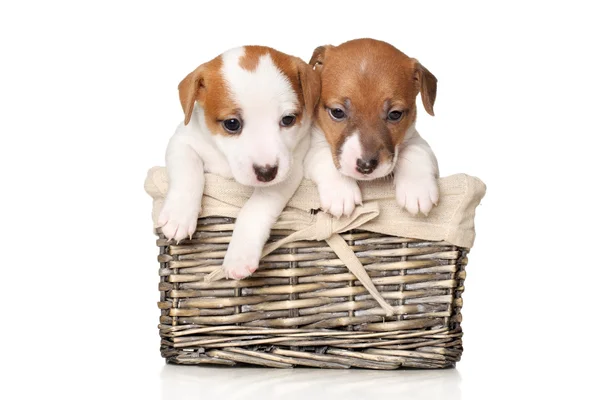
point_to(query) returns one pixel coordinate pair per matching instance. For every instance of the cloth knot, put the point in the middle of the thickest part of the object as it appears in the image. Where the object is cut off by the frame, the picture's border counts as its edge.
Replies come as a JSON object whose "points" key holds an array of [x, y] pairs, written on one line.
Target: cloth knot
{"points": [[323, 226]]}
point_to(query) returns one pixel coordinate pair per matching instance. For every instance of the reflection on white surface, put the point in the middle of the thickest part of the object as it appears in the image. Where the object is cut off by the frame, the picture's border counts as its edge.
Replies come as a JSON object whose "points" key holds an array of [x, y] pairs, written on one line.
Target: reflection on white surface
{"points": [[199, 382]]}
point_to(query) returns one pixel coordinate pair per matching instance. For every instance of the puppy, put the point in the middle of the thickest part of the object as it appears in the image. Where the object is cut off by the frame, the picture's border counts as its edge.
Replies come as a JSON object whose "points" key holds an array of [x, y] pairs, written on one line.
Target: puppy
{"points": [[248, 114], [365, 126]]}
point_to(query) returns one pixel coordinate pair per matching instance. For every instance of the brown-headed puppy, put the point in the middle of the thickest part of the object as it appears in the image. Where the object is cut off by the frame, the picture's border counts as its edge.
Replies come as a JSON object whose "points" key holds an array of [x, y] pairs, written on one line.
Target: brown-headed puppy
{"points": [[365, 126]]}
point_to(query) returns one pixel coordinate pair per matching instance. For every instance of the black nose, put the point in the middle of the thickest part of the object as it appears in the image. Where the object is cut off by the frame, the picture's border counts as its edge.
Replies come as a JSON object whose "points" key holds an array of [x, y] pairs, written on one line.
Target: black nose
{"points": [[366, 166], [265, 173]]}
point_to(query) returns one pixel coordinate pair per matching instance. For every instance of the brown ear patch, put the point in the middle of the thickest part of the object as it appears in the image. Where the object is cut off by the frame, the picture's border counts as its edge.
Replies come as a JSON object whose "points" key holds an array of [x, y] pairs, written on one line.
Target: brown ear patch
{"points": [[427, 86], [310, 86], [195, 86], [318, 56], [206, 86], [189, 90]]}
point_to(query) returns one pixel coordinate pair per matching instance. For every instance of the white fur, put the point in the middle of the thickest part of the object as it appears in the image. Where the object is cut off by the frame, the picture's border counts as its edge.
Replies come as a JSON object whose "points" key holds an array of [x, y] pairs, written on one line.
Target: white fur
{"points": [[415, 174], [264, 96], [350, 151]]}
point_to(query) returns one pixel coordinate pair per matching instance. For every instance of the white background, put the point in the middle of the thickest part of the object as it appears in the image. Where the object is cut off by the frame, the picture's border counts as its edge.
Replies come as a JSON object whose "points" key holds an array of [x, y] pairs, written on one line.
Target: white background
{"points": [[88, 101]]}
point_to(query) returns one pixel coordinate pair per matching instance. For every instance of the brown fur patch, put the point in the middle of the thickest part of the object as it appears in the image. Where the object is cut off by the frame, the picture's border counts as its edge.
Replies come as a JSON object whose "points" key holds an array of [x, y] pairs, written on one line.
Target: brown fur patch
{"points": [[207, 86], [252, 54], [372, 78]]}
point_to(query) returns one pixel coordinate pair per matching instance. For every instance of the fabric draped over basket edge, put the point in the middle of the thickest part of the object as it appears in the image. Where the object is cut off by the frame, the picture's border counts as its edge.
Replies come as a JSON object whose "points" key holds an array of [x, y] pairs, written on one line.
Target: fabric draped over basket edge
{"points": [[451, 221]]}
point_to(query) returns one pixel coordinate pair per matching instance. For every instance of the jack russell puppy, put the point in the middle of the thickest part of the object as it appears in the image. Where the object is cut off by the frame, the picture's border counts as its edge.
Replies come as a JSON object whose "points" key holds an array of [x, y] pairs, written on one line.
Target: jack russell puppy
{"points": [[248, 115], [365, 126]]}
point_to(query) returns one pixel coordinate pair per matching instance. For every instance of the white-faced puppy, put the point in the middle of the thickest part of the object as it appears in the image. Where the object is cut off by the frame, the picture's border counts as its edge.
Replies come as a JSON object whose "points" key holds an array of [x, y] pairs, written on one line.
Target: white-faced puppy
{"points": [[365, 126], [248, 114]]}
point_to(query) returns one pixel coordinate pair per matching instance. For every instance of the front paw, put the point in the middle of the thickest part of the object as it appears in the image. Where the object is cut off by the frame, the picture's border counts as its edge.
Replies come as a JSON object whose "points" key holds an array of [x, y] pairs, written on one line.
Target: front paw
{"points": [[340, 196], [240, 261], [178, 217], [417, 193]]}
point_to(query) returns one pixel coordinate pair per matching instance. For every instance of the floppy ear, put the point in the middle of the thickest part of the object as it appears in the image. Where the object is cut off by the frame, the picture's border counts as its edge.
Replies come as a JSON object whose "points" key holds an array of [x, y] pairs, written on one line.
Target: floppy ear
{"points": [[427, 86], [318, 57], [310, 83], [191, 88]]}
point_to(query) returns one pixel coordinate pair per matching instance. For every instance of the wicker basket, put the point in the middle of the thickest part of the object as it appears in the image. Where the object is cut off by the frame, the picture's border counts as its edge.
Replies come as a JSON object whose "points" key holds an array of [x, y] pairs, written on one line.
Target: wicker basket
{"points": [[303, 306]]}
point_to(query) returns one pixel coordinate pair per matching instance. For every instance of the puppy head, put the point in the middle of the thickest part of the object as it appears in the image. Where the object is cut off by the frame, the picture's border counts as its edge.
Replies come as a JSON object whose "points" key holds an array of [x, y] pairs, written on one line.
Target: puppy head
{"points": [[257, 103], [367, 104]]}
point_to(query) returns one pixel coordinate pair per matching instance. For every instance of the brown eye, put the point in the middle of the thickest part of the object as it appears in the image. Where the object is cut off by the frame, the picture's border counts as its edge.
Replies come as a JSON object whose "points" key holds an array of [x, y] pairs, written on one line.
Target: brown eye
{"points": [[337, 114], [288, 121], [395, 115], [232, 125]]}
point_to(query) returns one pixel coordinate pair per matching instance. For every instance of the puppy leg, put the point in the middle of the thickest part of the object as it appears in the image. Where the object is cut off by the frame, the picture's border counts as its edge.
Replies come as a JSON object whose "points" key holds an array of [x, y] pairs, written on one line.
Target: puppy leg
{"points": [[415, 176], [338, 194], [257, 216], [180, 211], [252, 229]]}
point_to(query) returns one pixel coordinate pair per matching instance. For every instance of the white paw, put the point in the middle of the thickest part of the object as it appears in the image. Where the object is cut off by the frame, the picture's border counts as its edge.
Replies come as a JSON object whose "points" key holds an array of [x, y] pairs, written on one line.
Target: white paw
{"points": [[240, 261], [340, 196], [417, 193], [178, 217]]}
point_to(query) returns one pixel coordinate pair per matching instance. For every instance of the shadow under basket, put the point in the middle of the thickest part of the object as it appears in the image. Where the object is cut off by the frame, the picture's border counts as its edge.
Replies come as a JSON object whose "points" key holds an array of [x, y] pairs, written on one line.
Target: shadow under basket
{"points": [[302, 307]]}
